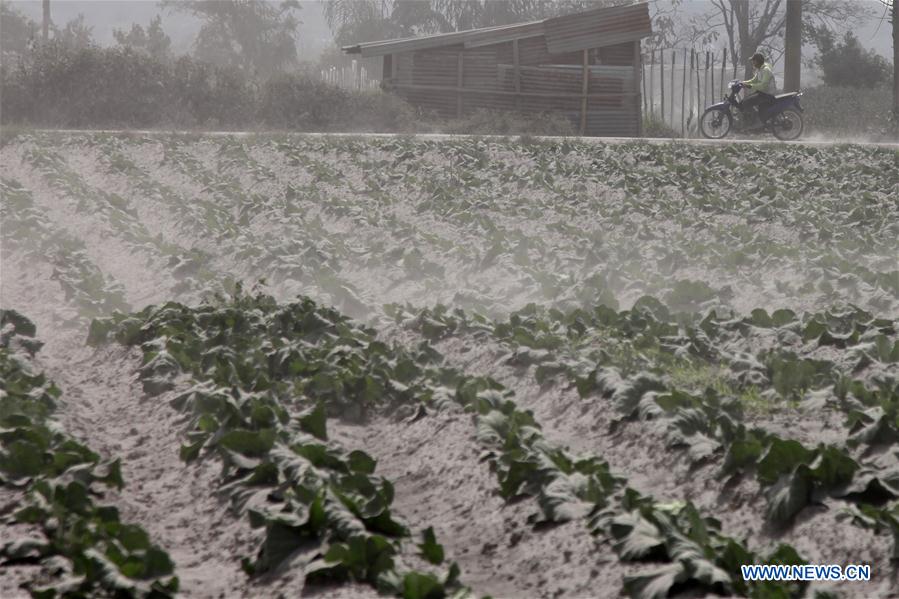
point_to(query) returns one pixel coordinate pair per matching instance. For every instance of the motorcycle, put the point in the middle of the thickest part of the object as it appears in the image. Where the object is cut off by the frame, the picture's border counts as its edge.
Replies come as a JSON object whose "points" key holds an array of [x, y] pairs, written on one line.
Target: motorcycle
{"points": [[782, 116]]}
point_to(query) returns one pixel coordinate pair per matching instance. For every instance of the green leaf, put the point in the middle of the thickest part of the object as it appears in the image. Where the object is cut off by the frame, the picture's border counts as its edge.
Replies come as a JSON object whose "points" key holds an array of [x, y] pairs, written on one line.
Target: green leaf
{"points": [[21, 325], [314, 422], [636, 536], [280, 541], [656, 583], [21, 459], [250, 443], [188, 453], [430, 549], [782, 457], [25, 549], [361, 462], [789, 494], [833, 468], [418, 585]]}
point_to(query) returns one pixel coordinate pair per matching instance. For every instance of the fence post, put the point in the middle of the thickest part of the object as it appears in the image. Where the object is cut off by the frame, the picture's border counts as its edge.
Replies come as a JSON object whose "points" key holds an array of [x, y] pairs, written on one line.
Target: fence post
{"points": [[459, 86], [643, 86], [705, 79], [723, 67], [683, 98], [662, 84], [638, 105], [652, 84], [585, 75], [699, 105], [690, 84], [516, 62], [673, 56]]}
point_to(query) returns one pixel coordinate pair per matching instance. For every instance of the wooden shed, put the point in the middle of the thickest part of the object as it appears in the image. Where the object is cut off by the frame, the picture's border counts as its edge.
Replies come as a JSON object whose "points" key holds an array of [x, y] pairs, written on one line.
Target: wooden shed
{"points": [[585, 66]]}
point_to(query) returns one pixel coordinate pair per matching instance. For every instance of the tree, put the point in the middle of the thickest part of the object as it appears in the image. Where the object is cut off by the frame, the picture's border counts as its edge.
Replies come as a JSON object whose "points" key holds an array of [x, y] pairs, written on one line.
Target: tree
{"points": [[45, 22], [255, 36], [892, 7], [753, 25], [153, 41], [17, 32], [75, 35], [847, 63], [793, 46]]}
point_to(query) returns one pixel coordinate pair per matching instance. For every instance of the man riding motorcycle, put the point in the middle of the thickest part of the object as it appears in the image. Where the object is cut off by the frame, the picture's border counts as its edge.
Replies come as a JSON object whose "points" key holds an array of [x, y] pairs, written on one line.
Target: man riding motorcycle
{"points": [[762, 86]]}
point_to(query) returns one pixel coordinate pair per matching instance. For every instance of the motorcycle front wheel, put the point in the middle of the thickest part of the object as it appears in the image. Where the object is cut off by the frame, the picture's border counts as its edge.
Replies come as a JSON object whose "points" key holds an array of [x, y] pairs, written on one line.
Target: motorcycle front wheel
{"points": [[788, 125], [715, 123]]}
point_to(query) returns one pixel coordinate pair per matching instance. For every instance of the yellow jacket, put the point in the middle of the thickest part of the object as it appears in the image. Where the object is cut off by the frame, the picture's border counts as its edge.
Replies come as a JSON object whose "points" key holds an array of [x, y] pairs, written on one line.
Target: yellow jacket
{"points": [[763, 80]]}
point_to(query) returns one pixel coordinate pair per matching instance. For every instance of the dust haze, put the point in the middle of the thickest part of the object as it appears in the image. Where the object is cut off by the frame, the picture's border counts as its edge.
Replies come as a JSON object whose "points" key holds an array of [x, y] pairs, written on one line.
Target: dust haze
{"points": [[262, 335]]}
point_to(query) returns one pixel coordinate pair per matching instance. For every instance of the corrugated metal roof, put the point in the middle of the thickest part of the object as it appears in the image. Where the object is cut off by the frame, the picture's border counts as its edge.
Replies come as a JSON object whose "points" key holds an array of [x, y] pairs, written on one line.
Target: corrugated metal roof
{"points": [[589, 29], [597, 28], [509, 32]]}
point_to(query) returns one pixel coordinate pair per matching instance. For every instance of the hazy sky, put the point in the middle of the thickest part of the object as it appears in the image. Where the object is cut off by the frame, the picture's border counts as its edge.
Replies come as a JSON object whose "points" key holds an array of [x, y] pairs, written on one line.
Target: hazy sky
{"points": [[106, 15]]}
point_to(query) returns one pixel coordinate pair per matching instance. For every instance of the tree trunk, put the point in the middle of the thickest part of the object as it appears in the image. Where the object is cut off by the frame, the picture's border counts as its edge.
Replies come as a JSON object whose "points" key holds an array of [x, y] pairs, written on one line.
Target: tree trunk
{"points": [[793, 47], [895, 19], [45, 26], [747, 48]]}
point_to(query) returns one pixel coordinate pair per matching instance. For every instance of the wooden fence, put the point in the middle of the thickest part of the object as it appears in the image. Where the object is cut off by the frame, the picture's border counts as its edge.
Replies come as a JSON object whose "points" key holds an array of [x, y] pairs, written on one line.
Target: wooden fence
{"points": [[353, 77], [679, 83]]}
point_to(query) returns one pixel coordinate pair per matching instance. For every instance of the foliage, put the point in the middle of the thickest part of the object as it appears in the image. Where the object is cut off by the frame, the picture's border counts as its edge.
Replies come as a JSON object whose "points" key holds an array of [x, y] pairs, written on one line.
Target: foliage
{"points": [[17, 32], [255, 360], [132, 86], [496, 122], [264, 380], [27, 229], [291, 101], [61, 479], [120, 87], [152, 40], [575, 227], [849, 113], [75, 35], [845, 63], [656, 127], [751, 27], [256, 37], [644, 347]]}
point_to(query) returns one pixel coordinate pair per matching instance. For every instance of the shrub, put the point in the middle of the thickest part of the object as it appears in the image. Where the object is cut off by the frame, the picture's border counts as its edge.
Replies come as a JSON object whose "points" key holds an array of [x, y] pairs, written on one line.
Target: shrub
{"points": [[299, 102], [653, 126], [203, 95], [379, 112], [494, 122], [846, 112], [118, 87], [55, 85], [847, 63]]}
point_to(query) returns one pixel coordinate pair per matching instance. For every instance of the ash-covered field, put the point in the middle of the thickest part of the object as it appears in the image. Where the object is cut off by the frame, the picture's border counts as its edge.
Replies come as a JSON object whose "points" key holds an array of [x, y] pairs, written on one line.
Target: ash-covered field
{"points": [[341, 366]]}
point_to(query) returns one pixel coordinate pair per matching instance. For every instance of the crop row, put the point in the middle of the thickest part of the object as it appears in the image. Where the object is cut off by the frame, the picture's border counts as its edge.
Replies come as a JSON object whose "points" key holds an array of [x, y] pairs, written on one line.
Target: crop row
{"points": [[263, 379], [61, 480], [698, 377], [25, 228], [267, 374], [488, 224], [122, 220]]}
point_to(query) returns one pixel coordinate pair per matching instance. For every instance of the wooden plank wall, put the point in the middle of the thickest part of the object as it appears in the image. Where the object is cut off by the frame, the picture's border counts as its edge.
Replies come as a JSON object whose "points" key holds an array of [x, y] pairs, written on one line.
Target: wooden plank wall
{"points": [[454, 81]]}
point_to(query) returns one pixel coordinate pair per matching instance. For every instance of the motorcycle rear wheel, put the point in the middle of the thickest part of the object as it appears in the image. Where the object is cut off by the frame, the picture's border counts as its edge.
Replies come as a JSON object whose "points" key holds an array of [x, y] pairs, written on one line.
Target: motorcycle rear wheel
{"points": [[715, 123], [788, 125]]}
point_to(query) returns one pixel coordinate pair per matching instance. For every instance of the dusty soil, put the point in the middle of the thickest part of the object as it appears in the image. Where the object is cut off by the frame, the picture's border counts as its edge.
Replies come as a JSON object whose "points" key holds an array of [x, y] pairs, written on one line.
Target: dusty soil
{"points": [[354, 228]]}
